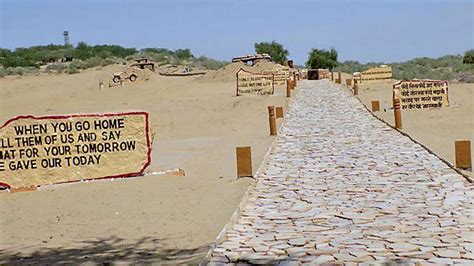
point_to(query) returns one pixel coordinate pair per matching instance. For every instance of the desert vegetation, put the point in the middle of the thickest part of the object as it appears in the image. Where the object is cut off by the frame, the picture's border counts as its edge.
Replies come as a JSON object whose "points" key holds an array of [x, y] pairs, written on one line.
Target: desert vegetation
{"points": [[320, 58], [276, 50], [448, 67], [68, 59]]}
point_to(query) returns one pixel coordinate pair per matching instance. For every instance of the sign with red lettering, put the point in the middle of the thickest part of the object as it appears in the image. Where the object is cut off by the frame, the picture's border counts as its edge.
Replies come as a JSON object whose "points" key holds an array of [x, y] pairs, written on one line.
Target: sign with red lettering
{"points": [[58, 149]]}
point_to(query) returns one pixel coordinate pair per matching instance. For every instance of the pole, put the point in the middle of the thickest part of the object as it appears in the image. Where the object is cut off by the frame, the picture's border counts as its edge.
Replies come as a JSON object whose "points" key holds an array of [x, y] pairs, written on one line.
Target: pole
{"points": [[272, 120], [398, 113]]}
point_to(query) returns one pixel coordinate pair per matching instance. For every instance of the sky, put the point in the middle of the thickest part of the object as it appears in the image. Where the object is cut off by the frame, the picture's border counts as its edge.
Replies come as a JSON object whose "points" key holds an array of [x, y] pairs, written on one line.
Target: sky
{"points": [[366, 31]]}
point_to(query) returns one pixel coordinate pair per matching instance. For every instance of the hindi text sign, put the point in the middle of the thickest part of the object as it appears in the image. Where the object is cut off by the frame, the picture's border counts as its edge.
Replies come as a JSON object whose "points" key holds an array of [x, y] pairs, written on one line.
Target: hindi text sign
{"points": [[420, 94], [57, 149], [254, 83]]}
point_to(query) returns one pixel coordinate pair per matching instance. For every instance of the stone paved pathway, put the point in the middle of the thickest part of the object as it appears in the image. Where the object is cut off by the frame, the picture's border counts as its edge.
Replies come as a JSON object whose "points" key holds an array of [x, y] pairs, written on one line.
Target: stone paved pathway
{"points": [[341, 186]]}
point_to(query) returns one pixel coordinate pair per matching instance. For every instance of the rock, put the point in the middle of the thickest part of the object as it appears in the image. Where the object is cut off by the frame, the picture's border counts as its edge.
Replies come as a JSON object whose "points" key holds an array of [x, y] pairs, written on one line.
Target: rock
{"points": [[297, 242], [448, 253]]}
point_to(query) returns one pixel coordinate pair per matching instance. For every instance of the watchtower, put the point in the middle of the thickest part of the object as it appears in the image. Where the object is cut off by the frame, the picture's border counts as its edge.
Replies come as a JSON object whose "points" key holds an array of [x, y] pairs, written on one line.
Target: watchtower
{"points": [[66, 37]]}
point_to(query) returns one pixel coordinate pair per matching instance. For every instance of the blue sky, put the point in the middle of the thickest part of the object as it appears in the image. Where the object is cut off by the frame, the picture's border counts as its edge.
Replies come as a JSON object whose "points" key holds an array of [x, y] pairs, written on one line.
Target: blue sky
{"points": [[388, 31]]}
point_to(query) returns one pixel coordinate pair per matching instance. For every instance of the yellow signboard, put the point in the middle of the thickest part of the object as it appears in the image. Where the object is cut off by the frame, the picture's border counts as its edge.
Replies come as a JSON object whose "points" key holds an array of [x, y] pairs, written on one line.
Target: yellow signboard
{"points": [[57, 149], [254, 83], [377, 74], [420, 94], [324, 74], [280, 75]]}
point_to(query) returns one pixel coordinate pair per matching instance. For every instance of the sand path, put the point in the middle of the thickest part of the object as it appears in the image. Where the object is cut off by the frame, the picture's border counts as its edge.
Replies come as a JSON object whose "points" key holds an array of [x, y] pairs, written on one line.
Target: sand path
{"points": [[341, 186]]}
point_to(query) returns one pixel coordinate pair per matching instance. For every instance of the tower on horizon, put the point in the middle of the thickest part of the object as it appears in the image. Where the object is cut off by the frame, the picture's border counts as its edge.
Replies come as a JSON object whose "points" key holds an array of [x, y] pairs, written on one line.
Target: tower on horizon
{"points": [[66, 37]]}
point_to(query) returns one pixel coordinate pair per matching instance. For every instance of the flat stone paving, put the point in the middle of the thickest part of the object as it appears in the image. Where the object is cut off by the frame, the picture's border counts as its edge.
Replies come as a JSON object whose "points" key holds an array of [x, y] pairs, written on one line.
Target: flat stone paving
{"points": [[339, 186]]}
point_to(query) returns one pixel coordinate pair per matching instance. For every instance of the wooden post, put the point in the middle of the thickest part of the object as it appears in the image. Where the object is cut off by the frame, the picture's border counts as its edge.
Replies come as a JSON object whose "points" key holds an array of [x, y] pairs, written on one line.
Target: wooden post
{"points": [[356, 88], [339, 77], [463, 154], [375, 106], [244, 161], [279, 112], [398, 113], [288, 88], [332, 75], [272, 120]]}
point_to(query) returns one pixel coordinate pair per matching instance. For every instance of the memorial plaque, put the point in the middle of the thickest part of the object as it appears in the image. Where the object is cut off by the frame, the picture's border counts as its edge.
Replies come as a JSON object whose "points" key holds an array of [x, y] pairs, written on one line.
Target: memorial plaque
{"points": [[254, 83], [377, 74], [420, 94], [280, 75], [57, 149]]}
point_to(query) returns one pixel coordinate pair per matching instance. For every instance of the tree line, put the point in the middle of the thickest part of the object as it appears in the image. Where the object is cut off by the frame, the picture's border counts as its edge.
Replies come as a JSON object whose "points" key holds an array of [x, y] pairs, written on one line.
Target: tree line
{"points": [[445, 67], [84, 56]]}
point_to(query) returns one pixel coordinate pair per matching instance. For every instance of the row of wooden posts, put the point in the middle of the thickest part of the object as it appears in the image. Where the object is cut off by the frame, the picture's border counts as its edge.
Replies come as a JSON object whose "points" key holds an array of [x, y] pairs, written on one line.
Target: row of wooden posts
{"points": [[462, 148], [244, 154]]}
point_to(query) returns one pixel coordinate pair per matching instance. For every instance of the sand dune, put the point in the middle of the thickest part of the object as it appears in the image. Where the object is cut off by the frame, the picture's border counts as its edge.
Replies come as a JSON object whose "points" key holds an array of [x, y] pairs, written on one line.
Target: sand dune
{"points": [[198, 124]]}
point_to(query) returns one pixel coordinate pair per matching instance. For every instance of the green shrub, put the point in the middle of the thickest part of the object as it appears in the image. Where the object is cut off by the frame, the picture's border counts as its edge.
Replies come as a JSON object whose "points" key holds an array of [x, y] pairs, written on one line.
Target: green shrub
{"points": [[320, 58], [276, 50], [93, 62], [108, 61], [3, 72], [207, 63], [468, 57], [58, 68], [73, 69]]}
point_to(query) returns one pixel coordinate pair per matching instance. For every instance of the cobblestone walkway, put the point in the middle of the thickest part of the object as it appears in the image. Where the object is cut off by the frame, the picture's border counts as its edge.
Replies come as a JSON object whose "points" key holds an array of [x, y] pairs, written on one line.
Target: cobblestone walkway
{"points": [[341, 186]]}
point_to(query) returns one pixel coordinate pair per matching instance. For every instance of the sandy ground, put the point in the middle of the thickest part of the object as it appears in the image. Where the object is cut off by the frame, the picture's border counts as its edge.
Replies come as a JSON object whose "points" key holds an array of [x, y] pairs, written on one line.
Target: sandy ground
{"points": [[438, 129], [198, 123]]}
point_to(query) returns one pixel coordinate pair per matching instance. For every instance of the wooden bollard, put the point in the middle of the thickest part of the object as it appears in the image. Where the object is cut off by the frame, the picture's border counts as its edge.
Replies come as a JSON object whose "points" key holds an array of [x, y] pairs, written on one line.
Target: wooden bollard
{"points": [[244, 161], [339, 77], [356, 87], [272, 120], [463, 154], [332, 75], [279, 112], [397, 113], [375, 106], [288, 88]]}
